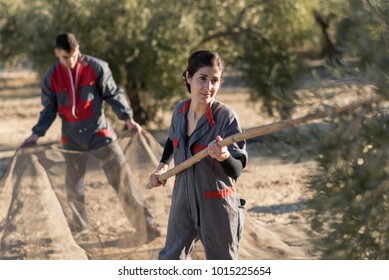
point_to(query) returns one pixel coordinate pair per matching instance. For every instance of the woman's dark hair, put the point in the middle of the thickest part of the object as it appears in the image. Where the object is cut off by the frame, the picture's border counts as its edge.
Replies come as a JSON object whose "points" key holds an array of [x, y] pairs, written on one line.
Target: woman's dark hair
{"points": [[200, 59]]}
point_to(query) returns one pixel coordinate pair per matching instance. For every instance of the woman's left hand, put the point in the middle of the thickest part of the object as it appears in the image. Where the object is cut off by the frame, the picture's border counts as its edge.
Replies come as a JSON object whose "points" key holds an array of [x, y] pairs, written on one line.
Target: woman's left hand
{"points": [[216, 151]]}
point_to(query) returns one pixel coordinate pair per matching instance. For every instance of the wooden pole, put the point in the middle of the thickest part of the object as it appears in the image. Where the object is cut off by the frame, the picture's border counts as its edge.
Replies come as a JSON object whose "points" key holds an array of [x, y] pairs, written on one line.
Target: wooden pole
{"points": [[266, 129]]}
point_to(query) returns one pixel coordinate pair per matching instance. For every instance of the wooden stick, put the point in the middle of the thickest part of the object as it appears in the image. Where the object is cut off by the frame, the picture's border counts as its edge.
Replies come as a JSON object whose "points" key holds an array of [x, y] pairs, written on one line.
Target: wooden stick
{"points": [[263, 130]]}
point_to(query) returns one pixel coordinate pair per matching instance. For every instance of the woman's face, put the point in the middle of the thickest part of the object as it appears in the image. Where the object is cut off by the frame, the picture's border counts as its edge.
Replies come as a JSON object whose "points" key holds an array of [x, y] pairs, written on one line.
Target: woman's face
{"points": [[204, 84]]}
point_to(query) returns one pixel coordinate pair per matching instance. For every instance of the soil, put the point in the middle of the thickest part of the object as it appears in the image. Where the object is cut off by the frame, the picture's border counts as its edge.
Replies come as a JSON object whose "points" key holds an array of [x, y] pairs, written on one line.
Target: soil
{"points": [[273, 183]]}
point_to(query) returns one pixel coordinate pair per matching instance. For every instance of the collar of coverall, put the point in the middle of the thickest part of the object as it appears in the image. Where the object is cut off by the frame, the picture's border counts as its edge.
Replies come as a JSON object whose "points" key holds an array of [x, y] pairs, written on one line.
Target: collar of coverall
{"points": [[208, 113]]}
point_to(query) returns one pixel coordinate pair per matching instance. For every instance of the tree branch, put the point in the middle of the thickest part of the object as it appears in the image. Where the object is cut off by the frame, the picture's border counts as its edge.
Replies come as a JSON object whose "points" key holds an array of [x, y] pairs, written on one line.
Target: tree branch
{"points": [[235, 27]]}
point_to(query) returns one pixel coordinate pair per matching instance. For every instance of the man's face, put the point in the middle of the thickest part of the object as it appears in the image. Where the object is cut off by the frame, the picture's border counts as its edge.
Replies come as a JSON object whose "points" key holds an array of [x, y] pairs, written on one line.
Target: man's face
{"points": [[68, 59]]}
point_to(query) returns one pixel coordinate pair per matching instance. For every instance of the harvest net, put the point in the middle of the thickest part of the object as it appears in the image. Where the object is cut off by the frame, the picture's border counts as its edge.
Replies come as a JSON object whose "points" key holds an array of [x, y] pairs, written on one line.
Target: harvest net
{"points": [[38, 222]]}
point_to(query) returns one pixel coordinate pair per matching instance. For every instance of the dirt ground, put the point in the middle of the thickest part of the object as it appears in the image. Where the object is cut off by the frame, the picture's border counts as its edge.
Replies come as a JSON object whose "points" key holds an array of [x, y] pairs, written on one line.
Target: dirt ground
{"points": [[273, 184]]}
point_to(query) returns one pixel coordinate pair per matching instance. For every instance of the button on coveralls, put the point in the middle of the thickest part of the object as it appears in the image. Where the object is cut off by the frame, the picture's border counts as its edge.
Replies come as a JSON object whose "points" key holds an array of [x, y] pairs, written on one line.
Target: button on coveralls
{"points": [[205, 204]]}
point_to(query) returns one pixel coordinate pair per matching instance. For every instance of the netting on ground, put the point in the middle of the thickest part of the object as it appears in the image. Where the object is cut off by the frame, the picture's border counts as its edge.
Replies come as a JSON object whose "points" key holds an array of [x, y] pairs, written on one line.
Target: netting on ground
{"points": [[119, 219]]}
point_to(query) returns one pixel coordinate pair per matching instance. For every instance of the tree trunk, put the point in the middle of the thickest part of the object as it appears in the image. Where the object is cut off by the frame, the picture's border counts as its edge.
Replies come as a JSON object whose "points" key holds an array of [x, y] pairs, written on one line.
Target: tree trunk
{"points": [[134, 95]]}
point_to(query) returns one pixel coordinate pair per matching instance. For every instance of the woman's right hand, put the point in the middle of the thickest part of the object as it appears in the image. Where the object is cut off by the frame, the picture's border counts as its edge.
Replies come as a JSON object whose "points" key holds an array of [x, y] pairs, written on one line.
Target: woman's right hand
{"points": [[154, 178]]}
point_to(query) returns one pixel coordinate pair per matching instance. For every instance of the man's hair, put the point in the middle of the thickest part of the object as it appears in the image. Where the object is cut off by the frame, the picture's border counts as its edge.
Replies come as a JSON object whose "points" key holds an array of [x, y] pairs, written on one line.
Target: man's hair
{"points": [[67, 42]]}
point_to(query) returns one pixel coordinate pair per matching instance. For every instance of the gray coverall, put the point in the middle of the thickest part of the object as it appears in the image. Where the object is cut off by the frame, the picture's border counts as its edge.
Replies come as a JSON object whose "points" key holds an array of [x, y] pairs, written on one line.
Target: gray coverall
{"points": [[205, 204], [77, 96]]}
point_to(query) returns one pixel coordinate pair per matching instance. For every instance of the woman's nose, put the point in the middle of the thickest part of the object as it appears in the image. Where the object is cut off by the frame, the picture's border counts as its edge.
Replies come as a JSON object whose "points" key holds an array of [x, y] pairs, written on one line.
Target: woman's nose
{"points": [[209, 85]]}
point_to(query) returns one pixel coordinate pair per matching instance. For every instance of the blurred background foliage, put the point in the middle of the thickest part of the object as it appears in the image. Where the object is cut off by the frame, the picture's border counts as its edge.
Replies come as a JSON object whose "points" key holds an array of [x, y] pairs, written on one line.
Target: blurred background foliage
{"points": [[147, 42], [266, 45], [350, 203]]}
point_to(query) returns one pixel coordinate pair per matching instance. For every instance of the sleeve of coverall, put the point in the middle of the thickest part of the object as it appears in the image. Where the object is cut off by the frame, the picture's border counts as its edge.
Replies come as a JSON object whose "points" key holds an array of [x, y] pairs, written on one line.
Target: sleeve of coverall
{"points": [[237, 150], [232, 167], [173, 119], [113, 94], [168, 150], [50, 109]]}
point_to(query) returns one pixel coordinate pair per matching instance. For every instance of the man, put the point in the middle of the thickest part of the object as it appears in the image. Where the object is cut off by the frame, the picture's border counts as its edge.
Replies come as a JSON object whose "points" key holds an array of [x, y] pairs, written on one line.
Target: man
{"points": [[75, 87]]}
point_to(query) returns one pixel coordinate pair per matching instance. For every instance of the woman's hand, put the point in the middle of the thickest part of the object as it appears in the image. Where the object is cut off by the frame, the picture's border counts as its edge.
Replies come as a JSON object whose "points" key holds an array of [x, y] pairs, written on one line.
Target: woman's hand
{"points": [[217, 152], [154, 178]]}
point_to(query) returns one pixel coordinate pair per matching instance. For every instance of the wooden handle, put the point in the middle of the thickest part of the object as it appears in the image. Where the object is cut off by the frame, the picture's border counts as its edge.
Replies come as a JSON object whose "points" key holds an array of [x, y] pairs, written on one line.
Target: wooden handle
{"points": [[263, 130]]}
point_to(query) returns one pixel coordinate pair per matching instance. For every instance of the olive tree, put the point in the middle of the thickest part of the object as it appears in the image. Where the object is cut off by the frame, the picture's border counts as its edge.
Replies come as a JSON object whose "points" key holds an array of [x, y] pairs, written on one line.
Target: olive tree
{"points": [[351, 187], [147, 42]]}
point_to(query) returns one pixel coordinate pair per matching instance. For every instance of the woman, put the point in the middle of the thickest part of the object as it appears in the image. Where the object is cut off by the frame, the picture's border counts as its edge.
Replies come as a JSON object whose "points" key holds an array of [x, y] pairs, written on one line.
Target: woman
{"points": [[205, 205]]}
